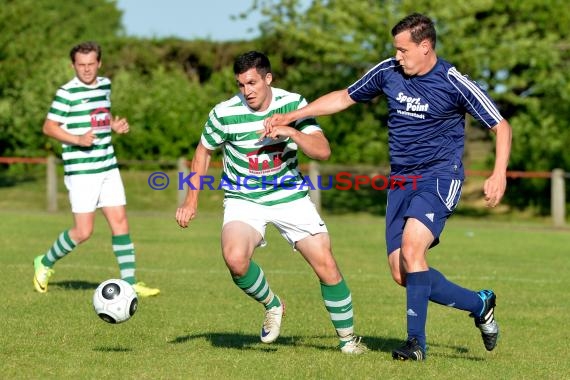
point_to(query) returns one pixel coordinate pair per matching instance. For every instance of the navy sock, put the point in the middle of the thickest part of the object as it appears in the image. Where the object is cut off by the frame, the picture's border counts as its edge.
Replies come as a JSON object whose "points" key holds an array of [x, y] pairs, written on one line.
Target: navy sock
{"points": [[445, 292], [417, 299]]}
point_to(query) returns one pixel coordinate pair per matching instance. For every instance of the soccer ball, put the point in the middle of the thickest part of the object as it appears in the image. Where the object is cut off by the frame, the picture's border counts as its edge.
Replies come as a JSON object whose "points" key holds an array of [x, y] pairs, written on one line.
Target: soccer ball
{"points": [[115, 301]]}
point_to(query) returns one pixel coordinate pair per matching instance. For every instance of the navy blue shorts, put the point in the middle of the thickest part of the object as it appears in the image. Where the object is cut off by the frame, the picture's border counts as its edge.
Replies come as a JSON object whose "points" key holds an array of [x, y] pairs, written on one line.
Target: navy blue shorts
{"points": [[432, 202]]}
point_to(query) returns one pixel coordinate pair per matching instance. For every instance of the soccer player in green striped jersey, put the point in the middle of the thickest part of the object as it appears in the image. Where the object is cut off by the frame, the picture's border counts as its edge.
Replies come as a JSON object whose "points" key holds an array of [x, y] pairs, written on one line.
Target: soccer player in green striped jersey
{"points": [[80, 118], [263, 185]]}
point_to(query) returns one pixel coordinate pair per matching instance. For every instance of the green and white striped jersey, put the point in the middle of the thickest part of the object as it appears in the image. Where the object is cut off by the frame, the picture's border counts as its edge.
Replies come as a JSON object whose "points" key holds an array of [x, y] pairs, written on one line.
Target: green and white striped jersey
{"points": [[265, 172], [79, 107]]}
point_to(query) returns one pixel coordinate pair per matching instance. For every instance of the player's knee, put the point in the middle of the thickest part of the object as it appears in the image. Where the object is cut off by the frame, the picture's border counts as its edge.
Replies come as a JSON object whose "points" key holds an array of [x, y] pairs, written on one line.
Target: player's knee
{"points": [[329, 264], [412, 256], [81, 235], [237, 265]]}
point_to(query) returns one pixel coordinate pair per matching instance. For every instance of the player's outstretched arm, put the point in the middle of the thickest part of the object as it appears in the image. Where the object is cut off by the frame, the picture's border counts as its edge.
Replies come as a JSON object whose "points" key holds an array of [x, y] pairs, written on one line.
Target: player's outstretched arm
{"points": [[495, 186], [198, 168], [327, 104]]}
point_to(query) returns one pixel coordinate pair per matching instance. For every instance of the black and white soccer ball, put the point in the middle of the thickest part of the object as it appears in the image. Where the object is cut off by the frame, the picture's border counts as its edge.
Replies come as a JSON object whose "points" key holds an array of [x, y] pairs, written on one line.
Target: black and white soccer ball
{"points": [[115, 301]]}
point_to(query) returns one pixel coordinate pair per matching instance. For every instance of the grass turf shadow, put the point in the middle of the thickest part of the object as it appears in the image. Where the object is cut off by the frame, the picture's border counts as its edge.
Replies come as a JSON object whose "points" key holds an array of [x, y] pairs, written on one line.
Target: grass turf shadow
{"points": [[74, 285], [252, 342]]}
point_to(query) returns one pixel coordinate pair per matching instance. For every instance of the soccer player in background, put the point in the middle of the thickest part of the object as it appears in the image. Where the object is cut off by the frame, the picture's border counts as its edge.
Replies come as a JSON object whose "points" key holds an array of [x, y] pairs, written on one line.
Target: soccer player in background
{"points": [[80, 118], [263, 185], [427, 100]]}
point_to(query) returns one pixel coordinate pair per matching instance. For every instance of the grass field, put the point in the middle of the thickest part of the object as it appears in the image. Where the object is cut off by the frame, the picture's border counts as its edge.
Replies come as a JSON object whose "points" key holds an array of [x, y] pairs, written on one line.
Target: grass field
{"points": [[203, 327]]}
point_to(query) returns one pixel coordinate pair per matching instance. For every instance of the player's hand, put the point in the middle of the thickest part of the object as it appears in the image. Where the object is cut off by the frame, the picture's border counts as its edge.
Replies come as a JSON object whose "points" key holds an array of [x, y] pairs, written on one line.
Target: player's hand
{"points": [[86, 139], [494, 189], [277, 119], [272, 122], [277, 131], [184, 215], [120, 125]]}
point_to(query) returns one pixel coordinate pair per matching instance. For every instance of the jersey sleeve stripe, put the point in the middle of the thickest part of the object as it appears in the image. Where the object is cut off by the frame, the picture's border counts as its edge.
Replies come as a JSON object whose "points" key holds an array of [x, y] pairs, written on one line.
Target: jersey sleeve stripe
{"points": [[371, 74], [485, 101], [477, 93]]}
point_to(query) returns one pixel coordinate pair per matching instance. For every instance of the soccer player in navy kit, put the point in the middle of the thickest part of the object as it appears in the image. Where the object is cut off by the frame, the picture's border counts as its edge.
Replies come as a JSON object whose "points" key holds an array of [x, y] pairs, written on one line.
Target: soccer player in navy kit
{"points": [[427, 100]]}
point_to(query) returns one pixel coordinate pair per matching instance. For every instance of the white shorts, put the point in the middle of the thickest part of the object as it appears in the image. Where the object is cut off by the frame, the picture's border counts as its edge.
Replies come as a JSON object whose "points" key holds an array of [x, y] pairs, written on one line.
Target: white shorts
{"points": [[87, 192], [295, 220]]}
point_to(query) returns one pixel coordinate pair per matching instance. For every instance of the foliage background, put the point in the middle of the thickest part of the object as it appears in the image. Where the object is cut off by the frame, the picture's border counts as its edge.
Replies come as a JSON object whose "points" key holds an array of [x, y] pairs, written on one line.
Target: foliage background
{"points": [[519, 50]]}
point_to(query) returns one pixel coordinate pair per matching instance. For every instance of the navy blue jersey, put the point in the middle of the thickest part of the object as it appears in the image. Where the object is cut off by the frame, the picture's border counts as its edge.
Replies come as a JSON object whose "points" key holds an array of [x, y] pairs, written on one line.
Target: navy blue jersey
{"points": [[426, 120]]}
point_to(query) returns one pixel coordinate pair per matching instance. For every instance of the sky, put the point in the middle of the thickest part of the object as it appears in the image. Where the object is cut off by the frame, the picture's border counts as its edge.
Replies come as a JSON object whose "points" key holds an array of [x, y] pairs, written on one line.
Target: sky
{"points": [[189, 19]]}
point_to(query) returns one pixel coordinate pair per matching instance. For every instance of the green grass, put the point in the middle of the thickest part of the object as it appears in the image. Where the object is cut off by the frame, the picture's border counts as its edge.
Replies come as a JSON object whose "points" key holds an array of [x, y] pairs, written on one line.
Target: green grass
{"points": [[203, 327]]}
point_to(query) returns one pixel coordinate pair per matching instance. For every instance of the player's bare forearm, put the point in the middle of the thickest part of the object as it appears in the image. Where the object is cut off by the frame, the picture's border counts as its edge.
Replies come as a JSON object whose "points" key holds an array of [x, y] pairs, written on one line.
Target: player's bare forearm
{"points": [[199, 167], [53, 129], [200, 163], [503, 140], [495, 186], [327, 104], [314, 145]]}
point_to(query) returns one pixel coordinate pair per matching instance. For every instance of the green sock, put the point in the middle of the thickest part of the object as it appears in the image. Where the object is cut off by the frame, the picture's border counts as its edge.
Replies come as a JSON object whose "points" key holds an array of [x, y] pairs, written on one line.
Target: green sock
{"points": [[338, 302], [60, 248], [254, 284], [124, 250]]}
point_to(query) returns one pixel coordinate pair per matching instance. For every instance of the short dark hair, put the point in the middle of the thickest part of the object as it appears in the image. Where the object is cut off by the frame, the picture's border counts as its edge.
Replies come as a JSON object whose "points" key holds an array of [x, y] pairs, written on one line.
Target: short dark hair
{"points": [[252, 59], [421, 27], [85, 48]]}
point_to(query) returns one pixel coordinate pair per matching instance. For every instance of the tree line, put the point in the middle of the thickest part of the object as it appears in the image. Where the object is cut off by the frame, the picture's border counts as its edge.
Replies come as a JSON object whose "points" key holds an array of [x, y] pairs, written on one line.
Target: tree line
{"points": [[518, 50]]}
